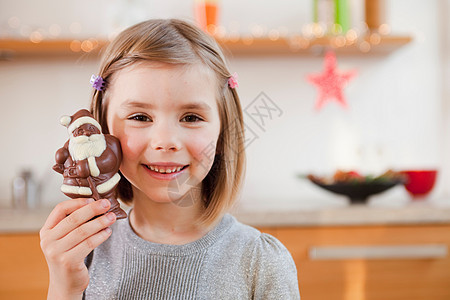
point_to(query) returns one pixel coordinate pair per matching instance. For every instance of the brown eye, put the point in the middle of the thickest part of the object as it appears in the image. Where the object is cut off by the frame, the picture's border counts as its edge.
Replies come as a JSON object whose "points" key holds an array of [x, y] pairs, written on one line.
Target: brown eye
{"points": [[192, 119], [140, 118]]}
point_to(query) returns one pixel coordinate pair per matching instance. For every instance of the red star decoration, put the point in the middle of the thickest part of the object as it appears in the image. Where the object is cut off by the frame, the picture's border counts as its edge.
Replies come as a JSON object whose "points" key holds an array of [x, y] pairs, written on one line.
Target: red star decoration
{"points": [[331, 82]]}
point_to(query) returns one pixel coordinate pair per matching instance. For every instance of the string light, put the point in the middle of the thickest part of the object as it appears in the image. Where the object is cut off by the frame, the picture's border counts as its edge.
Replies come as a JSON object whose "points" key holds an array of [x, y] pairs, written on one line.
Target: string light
{"points": [[212, 29], [36, 37], [257, 31], [233, 37], [312, 34], [318, 30], [336, 29], [294, 43], [221, 32], [384, 29], [274, 35], [351, 36], [340, 41], [364, 47], [14, 22], [308, 31], [298, 42], [54, 30], [87, 46], [15, 28], [375, 38], [75, 46]]}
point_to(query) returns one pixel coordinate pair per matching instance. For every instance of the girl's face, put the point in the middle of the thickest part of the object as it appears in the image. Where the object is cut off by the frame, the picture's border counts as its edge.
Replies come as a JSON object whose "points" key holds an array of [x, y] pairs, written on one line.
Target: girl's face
{"points": [[167, 120]]}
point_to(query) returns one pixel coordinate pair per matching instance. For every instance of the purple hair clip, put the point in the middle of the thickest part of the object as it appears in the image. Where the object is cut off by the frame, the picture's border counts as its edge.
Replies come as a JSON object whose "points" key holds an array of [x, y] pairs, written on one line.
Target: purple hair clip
{"points": [[97, 82], [232, 81]]}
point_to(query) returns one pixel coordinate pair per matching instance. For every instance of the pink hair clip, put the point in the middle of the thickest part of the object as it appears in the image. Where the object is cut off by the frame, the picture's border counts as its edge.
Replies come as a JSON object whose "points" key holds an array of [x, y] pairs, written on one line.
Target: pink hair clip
{"points": [[97, 82], [232, 81]]}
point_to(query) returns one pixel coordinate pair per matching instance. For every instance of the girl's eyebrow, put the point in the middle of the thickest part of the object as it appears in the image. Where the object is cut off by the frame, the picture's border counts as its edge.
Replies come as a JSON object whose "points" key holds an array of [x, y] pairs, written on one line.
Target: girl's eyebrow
{"points": [[136, 104], [196, 105], [145, 105]]}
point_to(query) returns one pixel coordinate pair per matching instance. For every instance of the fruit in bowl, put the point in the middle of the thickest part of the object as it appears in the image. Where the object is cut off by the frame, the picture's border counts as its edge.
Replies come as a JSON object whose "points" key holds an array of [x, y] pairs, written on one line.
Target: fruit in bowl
{"points": [[419, 183], [356, 187]]}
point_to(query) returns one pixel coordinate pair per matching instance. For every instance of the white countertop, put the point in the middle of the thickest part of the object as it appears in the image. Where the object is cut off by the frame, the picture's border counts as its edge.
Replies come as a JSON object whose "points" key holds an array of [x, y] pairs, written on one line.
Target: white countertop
{"points": [[340, 213], [354, 215], [400, 213], [18, 221]]}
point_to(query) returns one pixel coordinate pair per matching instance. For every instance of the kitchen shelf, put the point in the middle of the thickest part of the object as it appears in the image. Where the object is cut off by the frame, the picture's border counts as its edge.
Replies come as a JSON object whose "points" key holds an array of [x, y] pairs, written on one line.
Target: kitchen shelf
{"points": [[297, 45], [10, 48], [371, 45]]}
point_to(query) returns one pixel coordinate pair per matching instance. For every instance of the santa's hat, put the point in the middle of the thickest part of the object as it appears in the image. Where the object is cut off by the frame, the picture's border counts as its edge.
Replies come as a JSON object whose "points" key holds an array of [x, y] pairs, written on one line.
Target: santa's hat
{"points": [[83, 116]]}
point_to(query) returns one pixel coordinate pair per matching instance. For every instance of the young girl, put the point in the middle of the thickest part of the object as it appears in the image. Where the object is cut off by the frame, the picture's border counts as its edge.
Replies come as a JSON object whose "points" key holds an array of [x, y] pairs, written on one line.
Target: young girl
{"points": [[171, 101]]}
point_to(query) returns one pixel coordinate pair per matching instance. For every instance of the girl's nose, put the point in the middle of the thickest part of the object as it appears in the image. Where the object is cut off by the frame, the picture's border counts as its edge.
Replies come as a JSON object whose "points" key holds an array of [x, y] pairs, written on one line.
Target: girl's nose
{"points": [[164, 138]]}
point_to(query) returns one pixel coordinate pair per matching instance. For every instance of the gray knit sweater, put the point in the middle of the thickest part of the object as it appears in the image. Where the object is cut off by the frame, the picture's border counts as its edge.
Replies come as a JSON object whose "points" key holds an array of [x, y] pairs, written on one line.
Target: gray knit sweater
{"points": [[232, 261]]}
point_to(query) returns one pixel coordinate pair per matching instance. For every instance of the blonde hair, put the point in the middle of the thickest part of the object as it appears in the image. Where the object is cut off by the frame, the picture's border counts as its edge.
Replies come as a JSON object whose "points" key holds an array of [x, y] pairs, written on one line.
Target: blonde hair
{"points": [[177, 42]]}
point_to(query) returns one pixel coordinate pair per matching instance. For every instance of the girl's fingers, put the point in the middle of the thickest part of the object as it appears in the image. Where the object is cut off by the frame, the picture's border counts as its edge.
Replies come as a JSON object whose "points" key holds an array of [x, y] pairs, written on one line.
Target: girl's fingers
{"points": [[63, 209], [80, 216], [86, 231], [79, 252]]}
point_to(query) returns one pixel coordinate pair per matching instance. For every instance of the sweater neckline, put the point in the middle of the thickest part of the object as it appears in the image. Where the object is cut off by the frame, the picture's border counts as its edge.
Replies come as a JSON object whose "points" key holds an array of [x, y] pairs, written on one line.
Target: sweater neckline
{"points": [[135, 242]]}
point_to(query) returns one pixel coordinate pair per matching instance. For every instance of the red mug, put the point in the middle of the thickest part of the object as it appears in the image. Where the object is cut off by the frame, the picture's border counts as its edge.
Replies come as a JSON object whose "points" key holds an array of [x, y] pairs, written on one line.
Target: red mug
{"points": [[419, 183]]}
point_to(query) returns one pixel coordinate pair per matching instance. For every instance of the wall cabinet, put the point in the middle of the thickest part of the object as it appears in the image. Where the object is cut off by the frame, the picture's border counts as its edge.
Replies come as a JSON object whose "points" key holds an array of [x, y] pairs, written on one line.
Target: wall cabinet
{"points": [[370, 263]]}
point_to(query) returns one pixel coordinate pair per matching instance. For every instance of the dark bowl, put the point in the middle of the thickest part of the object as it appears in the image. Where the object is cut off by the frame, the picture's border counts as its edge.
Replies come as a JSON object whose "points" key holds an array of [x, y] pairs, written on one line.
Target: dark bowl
{"points": [[358, 192]]}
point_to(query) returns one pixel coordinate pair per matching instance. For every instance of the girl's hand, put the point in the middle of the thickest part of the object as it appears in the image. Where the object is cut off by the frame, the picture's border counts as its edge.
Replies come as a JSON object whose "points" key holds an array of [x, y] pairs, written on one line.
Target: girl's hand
{"points": [[67, 237]]}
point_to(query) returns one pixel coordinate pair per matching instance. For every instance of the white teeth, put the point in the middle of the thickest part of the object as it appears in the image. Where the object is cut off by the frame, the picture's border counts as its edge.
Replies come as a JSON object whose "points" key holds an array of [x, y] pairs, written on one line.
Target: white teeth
{"points": [[168, 171]]}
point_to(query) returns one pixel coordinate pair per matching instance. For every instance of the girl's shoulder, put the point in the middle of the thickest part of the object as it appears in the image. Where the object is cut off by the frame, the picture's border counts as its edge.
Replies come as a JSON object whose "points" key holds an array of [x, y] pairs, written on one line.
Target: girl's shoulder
{"points": [[273, 268], [259, 242]]}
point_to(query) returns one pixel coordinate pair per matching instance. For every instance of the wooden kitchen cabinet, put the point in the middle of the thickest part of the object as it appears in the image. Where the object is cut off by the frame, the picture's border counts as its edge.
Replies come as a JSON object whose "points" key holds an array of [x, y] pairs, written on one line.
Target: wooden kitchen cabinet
{"points": [[24, 274], [356, 278], [23, 270]]}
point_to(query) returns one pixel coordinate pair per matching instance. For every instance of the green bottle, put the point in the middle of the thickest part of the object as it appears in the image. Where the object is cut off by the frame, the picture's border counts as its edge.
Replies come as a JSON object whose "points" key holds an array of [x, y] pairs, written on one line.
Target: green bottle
{"points": [[342, 14]]}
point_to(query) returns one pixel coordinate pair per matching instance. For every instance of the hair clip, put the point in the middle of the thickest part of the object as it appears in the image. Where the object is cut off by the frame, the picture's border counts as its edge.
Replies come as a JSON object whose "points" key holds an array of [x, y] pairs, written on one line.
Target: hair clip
{"points": [[232, 81], [97, 82]]}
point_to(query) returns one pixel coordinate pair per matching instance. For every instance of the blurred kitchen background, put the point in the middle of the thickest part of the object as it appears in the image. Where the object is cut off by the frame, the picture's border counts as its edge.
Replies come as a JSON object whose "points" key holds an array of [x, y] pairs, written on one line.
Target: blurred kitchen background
{"points": [[397, 117], [397, 104]]}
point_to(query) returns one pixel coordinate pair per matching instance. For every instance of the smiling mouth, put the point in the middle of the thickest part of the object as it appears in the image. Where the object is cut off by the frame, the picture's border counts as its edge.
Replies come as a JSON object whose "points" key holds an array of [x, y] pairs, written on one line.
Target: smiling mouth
{"points": [[166, 170]]}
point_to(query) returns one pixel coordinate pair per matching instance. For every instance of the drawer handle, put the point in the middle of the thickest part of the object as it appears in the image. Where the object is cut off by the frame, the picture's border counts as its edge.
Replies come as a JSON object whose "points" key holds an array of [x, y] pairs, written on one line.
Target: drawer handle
{"points": [[378, 252]]}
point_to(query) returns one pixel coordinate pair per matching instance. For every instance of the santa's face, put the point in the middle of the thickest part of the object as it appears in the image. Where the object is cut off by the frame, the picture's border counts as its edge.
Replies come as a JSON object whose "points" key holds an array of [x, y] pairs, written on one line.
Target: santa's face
{"points": [[166, 118], [86, 129], [86, 141]]}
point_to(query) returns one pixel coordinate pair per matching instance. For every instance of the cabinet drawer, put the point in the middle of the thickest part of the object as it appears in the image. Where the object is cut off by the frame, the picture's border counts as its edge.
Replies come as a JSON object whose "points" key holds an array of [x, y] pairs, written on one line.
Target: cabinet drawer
{"points": [[23, 270], [425, 251], [374, 262]]}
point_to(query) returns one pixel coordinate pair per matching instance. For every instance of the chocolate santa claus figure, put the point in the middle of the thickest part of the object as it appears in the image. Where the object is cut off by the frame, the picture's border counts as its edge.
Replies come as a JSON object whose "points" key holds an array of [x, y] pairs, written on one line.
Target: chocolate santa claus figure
{"points": [[89, 161]]}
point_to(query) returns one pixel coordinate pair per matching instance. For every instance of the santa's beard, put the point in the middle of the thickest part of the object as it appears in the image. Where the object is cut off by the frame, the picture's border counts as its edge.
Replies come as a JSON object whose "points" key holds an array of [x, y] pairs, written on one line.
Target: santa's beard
{"points": [[82, 147]]}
